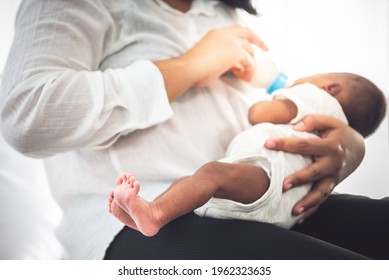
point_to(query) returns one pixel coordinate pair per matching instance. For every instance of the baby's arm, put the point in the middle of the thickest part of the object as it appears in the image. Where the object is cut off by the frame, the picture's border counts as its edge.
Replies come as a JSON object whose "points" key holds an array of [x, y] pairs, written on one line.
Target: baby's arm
{"points": [[274, 111]]}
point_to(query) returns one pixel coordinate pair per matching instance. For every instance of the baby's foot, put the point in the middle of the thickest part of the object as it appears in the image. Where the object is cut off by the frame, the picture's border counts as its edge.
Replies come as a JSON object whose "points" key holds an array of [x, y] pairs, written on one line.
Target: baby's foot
{"points": [[119, 213], [125, 177], [140, 211], [115, 209]]}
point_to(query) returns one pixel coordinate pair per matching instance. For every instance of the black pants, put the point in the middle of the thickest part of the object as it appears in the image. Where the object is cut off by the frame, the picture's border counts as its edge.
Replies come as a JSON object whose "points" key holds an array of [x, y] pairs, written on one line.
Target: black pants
{"points": [[345, 227]]}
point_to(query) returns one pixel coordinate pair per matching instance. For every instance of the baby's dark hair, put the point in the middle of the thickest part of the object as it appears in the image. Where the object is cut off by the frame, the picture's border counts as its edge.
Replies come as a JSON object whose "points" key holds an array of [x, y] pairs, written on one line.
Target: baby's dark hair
{"points": [[367, 106]]}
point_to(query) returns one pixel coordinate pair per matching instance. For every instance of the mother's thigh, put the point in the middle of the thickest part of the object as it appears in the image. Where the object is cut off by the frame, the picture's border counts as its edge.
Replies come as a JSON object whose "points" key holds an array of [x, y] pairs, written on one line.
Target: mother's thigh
{"points": [[192, 237], [358, 223]]}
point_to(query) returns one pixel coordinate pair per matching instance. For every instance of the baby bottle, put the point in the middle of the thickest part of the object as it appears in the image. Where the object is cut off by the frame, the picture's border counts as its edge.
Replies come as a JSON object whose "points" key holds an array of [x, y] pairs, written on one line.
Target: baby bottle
{"points": [[266, 74]]}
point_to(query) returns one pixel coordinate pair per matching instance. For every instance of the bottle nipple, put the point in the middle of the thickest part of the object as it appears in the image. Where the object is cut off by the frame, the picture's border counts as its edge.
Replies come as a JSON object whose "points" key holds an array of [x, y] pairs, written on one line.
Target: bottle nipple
{"points": [[266, 74]]}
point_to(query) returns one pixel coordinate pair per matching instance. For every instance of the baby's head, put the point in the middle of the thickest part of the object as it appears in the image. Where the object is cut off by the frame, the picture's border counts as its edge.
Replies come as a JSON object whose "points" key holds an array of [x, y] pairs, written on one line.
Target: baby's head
{"points": [[363, 103]]}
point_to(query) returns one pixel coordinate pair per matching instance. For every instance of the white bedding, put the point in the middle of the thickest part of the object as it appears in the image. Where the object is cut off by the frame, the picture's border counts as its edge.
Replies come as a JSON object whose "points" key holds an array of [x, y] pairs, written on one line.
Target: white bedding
{"points": [[28, 213]]}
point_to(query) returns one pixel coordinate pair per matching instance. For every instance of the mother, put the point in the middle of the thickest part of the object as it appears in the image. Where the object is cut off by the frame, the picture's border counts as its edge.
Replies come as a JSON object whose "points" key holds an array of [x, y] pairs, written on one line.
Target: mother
{"points": [[101, 87]]}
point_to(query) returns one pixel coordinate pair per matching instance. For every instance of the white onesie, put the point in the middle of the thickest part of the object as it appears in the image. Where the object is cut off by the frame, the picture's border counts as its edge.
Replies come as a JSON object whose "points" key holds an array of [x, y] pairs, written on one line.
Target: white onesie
{"points": [[247, 147]]}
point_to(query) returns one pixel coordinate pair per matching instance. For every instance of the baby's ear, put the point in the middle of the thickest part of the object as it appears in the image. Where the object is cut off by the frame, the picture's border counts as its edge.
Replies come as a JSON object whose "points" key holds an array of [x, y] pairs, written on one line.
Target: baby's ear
{"points": [[332, 88]]}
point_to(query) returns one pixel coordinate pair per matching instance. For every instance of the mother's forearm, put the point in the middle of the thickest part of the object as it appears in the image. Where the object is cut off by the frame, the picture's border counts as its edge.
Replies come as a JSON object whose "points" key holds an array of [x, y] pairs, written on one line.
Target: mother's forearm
{"points": [[178, 76]]}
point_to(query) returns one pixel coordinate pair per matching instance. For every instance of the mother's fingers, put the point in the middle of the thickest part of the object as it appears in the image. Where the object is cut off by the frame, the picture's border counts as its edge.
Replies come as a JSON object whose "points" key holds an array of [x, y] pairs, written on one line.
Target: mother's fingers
{"points": [[220, 50], [246, 65], [247, 47], [250, 36], [307, 214], [309, 203], [318, 123], [310, 146], [319, 169]]}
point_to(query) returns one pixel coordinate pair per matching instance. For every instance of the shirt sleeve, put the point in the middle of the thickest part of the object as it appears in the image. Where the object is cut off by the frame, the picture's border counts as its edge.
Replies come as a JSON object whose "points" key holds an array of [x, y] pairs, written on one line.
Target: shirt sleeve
{"points": [[54, 98]]}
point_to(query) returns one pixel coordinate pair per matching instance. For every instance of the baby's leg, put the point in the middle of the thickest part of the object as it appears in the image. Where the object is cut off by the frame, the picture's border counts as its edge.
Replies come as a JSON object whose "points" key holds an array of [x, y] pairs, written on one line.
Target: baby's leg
{"points": [[239, 182], [244, 183]]}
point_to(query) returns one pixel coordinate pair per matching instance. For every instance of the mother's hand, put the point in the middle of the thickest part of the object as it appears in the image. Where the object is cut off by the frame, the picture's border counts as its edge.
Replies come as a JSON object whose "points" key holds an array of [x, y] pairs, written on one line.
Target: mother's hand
{"points": [[337, 153], [223, 48], [216, 53]]}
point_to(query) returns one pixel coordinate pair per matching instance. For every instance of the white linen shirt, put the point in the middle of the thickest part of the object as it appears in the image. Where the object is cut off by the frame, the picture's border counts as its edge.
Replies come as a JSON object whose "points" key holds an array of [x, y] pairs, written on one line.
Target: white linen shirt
{"points": [[80, 90]]}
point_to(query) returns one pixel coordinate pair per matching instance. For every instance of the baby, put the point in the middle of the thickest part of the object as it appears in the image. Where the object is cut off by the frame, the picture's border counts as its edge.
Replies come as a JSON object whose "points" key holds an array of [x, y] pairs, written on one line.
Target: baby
{"points": [[254, 190]]}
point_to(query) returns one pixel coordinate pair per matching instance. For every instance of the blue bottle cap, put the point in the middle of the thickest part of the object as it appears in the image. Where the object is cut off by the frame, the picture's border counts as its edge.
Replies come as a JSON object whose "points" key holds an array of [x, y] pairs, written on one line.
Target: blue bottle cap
{"points": [[279, 82]]}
